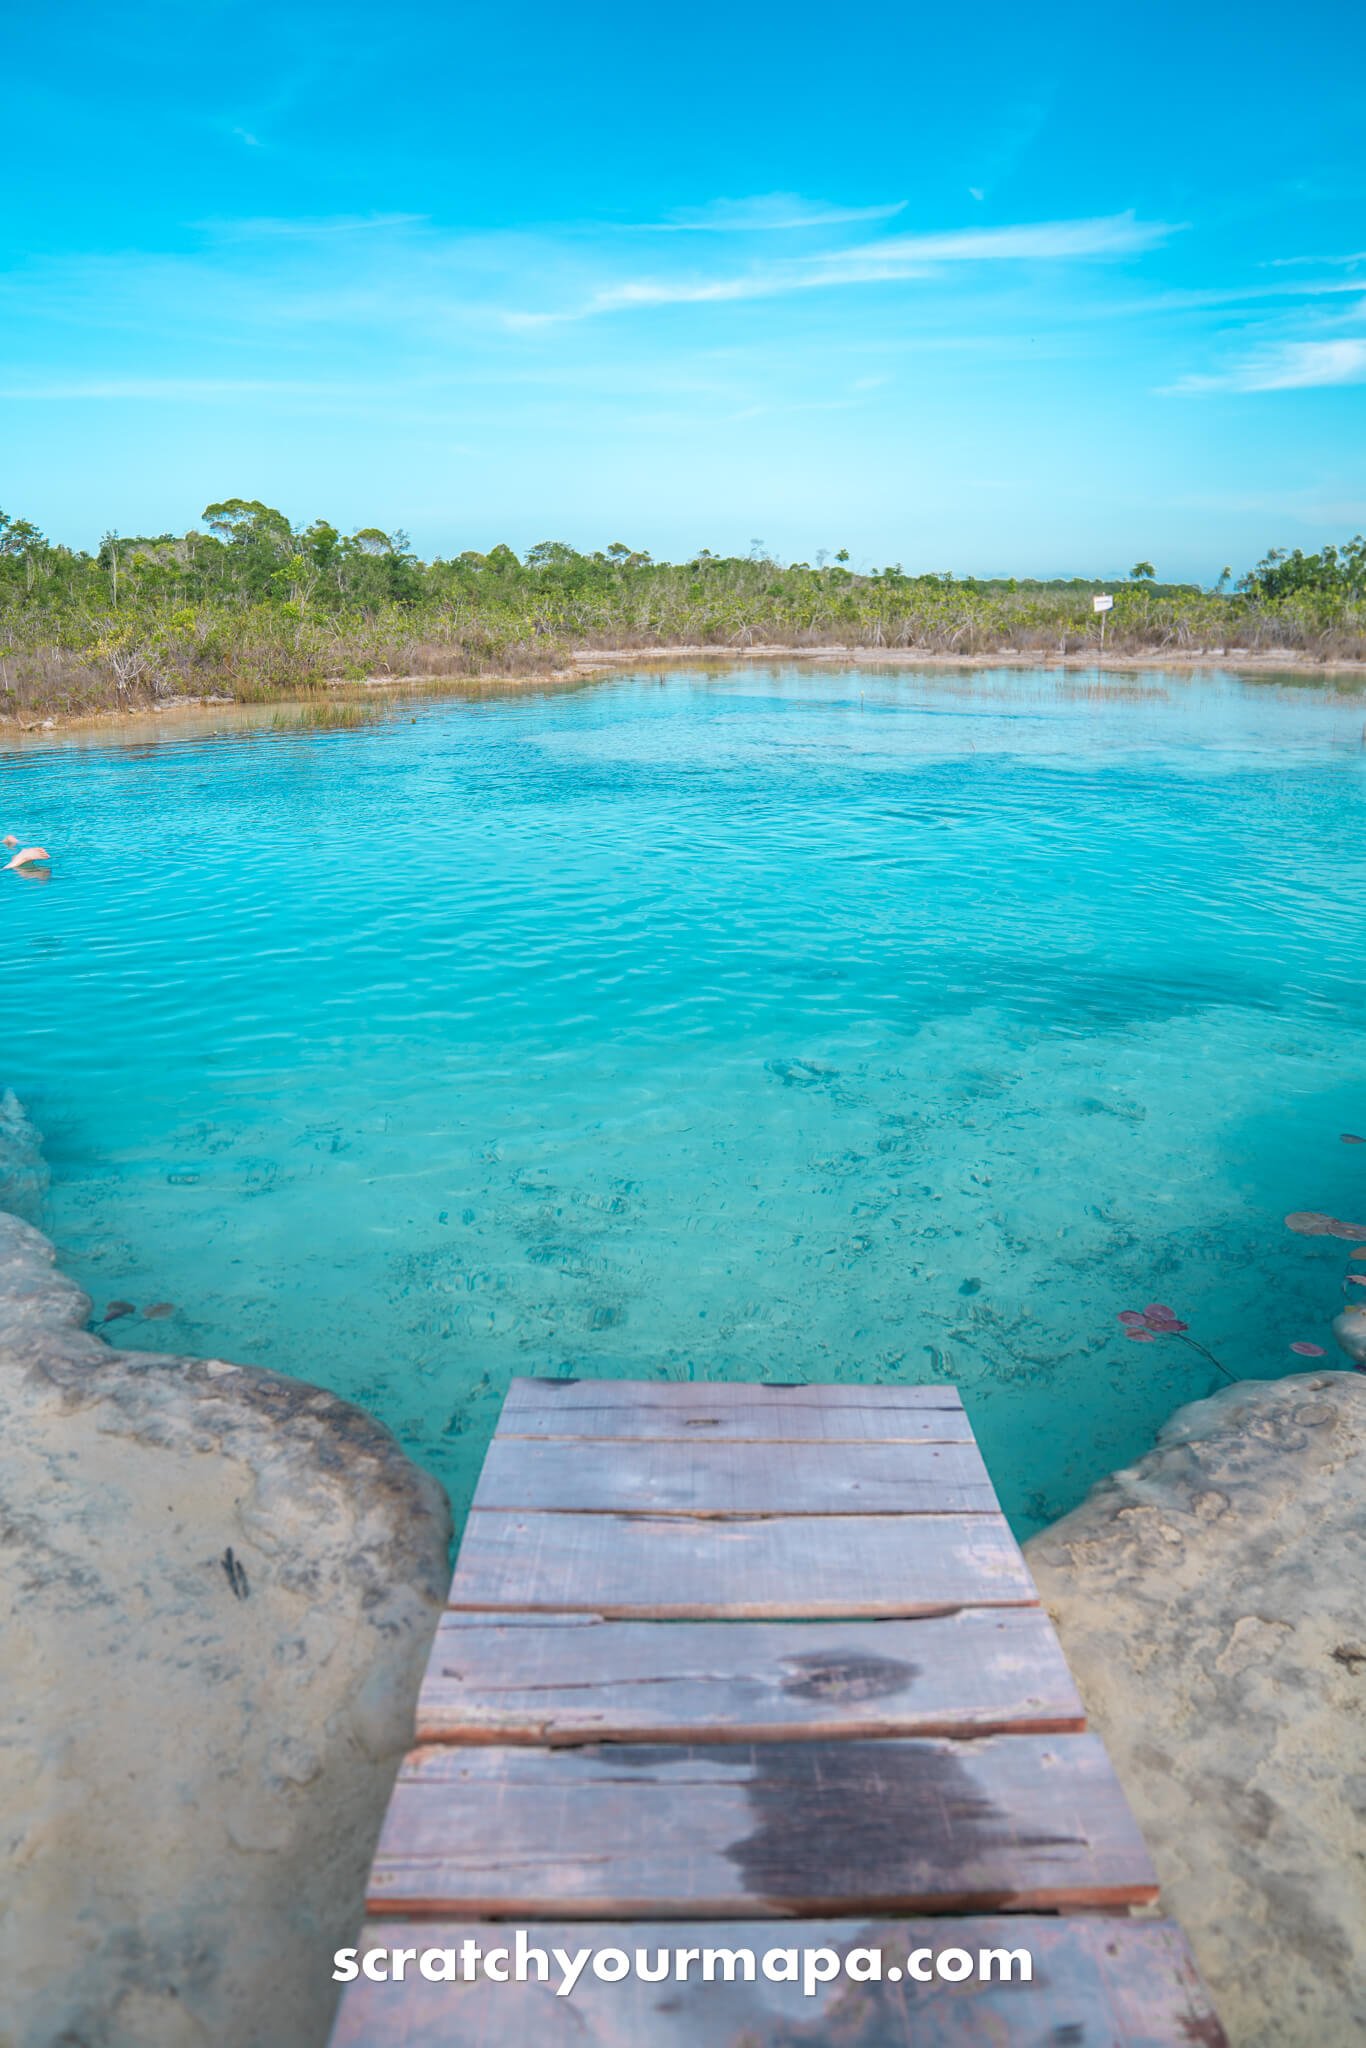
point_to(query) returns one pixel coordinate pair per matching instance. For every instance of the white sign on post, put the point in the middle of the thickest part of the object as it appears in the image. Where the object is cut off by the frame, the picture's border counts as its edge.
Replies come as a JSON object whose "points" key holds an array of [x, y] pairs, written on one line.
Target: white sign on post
{"points": [[1102, 604]]}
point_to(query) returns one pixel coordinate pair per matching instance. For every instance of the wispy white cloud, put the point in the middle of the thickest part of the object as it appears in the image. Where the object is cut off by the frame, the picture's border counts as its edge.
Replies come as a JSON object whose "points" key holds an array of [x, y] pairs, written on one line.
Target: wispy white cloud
{"points": [[893, 258], [1328, 262], [681, 292], [766, 282], [768, 213], [1053, 241], [1286, 366], [308, 228], [1210, 298]]}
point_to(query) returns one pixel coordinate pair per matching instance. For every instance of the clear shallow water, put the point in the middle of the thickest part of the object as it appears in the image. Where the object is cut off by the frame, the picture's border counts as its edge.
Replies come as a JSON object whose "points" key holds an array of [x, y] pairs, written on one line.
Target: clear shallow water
{"points": [[751, 1024]]}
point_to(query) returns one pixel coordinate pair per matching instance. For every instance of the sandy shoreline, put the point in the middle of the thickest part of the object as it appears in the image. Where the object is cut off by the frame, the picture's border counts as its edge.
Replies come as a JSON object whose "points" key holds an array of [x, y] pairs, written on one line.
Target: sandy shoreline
{"points": [[190, 717], [1234, 659]]}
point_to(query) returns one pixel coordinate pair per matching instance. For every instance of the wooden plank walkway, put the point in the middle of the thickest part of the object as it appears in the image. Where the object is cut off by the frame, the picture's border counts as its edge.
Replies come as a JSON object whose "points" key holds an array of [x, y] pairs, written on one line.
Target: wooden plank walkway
{"points": [[764, 1660]]}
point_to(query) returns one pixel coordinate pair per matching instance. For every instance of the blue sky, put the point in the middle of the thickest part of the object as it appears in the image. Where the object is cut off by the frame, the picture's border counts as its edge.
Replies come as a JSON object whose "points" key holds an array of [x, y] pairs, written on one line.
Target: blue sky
{"points": [[990, 289]]}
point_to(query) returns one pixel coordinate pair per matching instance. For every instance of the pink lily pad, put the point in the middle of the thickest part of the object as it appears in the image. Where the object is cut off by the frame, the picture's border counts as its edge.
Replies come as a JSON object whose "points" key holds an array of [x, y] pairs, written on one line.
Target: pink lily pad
{"points": [[1134, 1317], [1140, 1336], [1308, 1350]]}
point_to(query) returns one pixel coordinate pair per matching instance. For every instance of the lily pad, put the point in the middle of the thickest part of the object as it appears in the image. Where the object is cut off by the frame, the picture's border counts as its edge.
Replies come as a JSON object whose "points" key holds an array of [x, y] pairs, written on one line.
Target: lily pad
{"points": [[1313, 1223]]}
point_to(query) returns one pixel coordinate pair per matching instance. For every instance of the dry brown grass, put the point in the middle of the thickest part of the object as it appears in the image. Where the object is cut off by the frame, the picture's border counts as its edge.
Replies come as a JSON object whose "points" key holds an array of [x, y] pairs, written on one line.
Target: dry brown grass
{"points": [[261, 656]]}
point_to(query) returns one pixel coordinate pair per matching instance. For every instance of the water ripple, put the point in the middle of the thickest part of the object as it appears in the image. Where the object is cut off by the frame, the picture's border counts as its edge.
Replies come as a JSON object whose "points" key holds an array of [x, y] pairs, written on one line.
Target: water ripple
{"points": [[851, 1025]]}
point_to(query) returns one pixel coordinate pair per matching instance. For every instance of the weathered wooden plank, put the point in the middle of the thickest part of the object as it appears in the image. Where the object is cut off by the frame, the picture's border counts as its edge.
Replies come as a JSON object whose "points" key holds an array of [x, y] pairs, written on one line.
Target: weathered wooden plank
{"points": [[756, 1411], [577, 1678], [531, 1391], [612, 1830], [683, 1567], [709, 1478], [1095, 1983]]}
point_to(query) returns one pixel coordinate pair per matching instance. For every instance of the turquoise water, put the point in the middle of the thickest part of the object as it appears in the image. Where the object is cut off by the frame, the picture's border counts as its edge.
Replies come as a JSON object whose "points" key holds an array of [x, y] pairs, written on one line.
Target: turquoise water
{"points": [[744, 1024]]}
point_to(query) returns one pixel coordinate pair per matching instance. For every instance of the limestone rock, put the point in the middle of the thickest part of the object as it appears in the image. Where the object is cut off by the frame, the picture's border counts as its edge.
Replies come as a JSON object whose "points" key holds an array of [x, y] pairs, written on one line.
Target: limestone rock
{"points": [[23, 1169], [1349, 1328], [1212, 1603], [220, 1586]]}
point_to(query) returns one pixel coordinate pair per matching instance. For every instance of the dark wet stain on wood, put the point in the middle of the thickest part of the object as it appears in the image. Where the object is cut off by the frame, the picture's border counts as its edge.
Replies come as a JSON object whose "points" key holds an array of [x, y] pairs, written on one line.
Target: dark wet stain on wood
{"points": [[776, 1828], [832, 1820], [837, 1809]]}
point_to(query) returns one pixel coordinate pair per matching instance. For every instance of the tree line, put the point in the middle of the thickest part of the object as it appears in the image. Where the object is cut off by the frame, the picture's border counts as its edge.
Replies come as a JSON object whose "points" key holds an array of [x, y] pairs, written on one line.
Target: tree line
{"points": [[251, 603], [252, 552]]}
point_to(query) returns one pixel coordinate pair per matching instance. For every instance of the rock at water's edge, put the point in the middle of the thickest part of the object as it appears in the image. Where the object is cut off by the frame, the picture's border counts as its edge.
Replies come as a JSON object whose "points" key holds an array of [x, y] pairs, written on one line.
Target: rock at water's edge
{"points": [[23, 1169], [221, 1586], [1212, 1603]]}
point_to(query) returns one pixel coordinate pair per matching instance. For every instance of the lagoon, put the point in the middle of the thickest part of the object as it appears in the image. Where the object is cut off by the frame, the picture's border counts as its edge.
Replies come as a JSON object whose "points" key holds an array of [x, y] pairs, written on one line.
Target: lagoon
{"points": [[741, 1022]]}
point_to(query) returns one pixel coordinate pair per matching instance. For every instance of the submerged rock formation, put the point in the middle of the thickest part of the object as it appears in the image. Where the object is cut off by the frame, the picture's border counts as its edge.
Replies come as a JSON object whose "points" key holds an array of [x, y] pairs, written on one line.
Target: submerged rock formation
{"points": [[1350, 1330], [220, 1586], [23, 1169], [1212, 1602]]}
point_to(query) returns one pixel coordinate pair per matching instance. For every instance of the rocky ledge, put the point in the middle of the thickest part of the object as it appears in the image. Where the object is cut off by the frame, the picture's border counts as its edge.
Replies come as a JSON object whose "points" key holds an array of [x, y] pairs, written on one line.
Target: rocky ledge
{"points": [[220, 1588], [1212, 1603]]}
